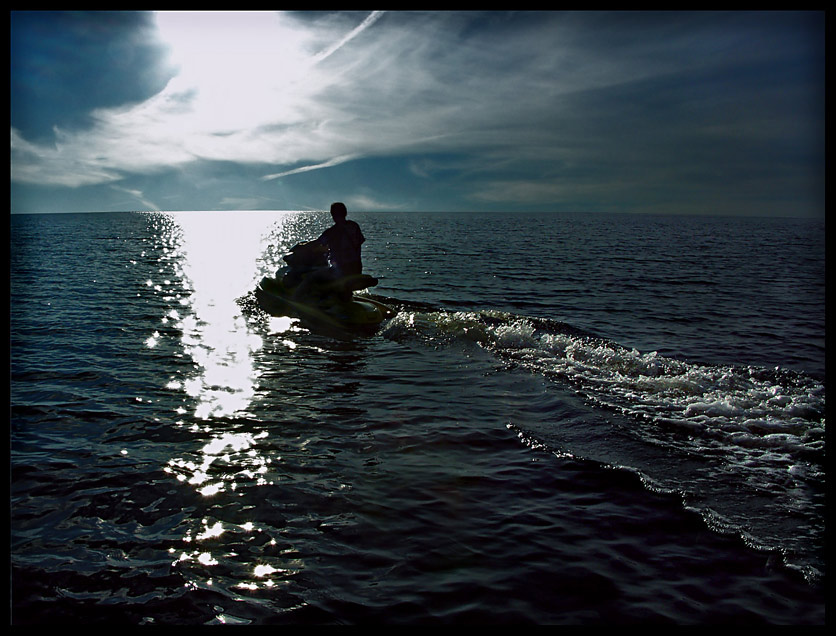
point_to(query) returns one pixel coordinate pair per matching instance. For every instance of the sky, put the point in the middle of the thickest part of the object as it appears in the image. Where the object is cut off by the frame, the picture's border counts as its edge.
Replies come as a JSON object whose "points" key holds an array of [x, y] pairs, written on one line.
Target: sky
{"points": [[645, 112]]}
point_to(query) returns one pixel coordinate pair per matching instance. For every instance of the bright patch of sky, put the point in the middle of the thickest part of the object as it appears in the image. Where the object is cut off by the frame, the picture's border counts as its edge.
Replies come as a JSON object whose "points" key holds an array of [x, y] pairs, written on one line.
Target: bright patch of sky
{"points": [[648, 112]]}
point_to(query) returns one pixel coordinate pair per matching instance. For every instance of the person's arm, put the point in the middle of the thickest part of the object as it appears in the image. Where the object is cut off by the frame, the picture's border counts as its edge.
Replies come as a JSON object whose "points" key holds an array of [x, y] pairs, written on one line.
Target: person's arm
{"points": [[323, 239], [318, 244]]}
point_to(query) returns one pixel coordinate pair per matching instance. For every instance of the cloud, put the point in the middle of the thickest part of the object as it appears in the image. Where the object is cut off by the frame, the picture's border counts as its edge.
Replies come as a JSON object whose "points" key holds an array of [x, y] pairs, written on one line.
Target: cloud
{"points": [[373, 17], [56, 165], [252, 90], [137, 195], [545, 99], [368, 202], [325, 164]]}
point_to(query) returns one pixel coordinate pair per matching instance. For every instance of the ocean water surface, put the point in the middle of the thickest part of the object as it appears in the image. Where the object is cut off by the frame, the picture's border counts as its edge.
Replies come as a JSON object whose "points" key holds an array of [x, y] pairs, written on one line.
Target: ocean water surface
{"points": [[572, 419]]}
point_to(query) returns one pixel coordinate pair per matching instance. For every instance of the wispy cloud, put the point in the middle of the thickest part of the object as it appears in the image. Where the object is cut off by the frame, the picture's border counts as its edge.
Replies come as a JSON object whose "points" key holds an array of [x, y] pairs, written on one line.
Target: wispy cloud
{"points": [[525, 104], [325, 164], [373, 17], [138, 196], [369, 202]]}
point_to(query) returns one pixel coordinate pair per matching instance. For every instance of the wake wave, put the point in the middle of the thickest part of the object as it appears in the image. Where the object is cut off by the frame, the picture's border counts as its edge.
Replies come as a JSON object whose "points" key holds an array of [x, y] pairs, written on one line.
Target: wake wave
{"points": [[743, 444], [753, 408]]}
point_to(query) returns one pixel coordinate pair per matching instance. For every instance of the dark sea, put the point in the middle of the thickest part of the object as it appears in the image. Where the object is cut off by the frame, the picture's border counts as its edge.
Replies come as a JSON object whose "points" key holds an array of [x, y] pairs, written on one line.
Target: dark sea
{"points": [[574, 419]]}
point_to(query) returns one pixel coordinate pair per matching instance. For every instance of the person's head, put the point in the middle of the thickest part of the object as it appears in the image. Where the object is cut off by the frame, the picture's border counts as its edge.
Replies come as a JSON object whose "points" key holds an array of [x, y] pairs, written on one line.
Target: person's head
{"points": [[338, 211]]}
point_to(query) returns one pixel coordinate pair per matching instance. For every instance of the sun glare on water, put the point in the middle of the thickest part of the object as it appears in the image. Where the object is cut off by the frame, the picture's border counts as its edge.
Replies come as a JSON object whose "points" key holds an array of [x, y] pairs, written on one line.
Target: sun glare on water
{"points": [[219, 258]]}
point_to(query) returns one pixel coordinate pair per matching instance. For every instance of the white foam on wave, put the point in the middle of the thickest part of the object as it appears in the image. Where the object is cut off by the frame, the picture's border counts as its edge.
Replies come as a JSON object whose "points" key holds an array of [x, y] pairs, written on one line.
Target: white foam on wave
{"points": [[761, 431], [746, 408]]}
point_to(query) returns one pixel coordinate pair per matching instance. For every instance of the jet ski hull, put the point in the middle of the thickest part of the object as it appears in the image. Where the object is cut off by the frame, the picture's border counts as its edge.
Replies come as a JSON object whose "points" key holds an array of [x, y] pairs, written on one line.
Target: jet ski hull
{"points": [[274, 298]]}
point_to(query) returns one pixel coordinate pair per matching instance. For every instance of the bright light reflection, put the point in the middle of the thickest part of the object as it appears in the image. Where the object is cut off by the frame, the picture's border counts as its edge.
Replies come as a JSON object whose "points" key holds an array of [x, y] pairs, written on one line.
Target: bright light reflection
{"points": [[264, 570], [220, 256], [211, 489], [206, 559], [234, 449], [210, 532], [247, 586], [281, 324]]}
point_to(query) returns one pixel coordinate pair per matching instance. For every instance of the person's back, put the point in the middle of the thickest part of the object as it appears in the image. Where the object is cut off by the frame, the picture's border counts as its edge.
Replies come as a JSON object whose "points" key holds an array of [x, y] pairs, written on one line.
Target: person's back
{"points": [[344, 240]]}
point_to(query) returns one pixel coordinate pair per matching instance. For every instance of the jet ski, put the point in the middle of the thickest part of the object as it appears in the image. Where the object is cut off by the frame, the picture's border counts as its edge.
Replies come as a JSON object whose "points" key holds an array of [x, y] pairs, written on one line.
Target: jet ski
{"points": [[306, 289]]}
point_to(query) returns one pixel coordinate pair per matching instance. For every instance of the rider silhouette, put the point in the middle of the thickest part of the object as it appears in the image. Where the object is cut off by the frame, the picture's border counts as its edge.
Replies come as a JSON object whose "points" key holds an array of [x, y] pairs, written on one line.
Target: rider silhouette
{"points": [[343, 240]]}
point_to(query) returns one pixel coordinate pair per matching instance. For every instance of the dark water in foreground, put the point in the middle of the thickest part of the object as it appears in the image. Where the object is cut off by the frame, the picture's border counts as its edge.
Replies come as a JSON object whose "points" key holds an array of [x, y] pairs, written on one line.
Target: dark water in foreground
{"points": [[572, 420]]}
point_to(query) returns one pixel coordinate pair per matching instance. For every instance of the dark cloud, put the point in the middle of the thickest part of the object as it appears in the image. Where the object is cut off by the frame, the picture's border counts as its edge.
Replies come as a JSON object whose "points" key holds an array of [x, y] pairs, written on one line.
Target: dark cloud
{"points": [[65, 64]]}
